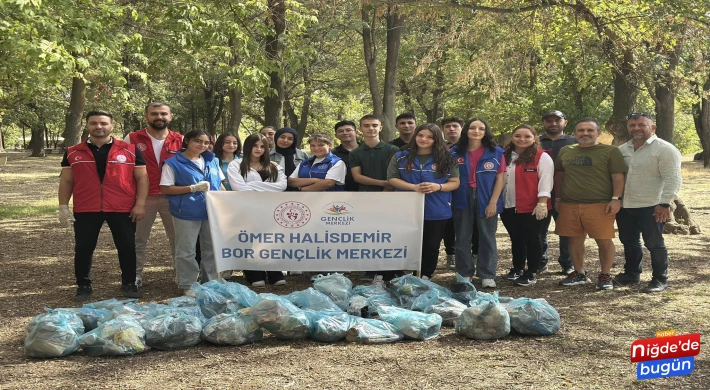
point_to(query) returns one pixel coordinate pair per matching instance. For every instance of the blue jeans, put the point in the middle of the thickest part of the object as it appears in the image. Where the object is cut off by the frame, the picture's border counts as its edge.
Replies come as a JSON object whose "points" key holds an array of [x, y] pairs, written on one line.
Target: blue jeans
{"points": [[564, 259], [634, 223], [186, 267], [466, 221]]}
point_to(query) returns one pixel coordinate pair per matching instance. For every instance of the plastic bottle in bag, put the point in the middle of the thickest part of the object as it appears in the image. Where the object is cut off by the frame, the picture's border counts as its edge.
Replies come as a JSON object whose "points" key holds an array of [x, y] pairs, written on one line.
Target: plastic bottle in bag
{"points": [[337, 287], [122, 336], [232, 329], [328, 326], [280, 317], [312, 299], [448, 308], [533, 317], [90, 317], [372, 331], [53, 334], [415, 325], [486, 320], [169, 332]]}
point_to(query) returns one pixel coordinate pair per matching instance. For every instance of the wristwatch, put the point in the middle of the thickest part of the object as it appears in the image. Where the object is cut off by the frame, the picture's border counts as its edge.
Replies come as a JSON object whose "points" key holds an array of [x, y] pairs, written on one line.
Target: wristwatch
{"points": [[616, 198]]}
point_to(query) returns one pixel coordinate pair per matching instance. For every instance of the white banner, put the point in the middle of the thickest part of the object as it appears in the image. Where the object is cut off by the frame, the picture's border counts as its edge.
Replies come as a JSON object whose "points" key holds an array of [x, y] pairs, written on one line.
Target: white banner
{"points": [[324, 231]]}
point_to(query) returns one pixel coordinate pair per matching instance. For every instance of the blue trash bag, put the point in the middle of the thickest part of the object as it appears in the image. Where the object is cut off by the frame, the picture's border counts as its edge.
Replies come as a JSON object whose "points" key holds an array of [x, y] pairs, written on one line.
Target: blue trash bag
{"points": [[232, 329], [463, 290], [109, 304], [211, 301], [448, 308], [372, 331], [168, 332], [312, 299], [371, 290], [53, 334], [157, 309], [337, 287], [533, 317], [183, 301], [280, 317], [486, 319], [122, 336], [139, 312], [328, 326], [90, 317], [367, 307], [413, 324], [408, 287], [245, 296]]}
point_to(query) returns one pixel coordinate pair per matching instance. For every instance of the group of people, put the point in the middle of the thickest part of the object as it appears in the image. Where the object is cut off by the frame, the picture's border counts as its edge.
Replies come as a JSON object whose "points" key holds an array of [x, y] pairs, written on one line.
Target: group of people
{"points": [[467, 179]]}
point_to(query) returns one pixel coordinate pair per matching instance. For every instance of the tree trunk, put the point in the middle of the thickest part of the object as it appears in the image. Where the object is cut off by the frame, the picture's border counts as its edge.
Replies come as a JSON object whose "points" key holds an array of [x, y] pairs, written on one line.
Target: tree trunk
{"points": [[37, 140], [370, 49], [665, 110], [394, 40], [235, 110], [2, 139], [72, 127], [625, 94], [701, 118], [273, 101]]}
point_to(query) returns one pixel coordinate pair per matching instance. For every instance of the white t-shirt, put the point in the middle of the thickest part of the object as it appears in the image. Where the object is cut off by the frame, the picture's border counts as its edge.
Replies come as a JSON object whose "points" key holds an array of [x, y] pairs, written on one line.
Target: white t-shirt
{"points": [[167, 178], [156, 143], [337, 172]]}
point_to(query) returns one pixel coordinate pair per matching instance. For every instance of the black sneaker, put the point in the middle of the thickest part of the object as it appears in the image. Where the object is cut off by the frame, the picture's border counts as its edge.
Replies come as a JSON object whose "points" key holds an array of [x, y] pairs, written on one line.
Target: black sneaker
{"points": [[526, 279], [624, 279], [604, 282], [566, 270], [542, 270], [575, 279], [369, 276], [131, 291], [83, 293], [655, 286], [513, 274]]}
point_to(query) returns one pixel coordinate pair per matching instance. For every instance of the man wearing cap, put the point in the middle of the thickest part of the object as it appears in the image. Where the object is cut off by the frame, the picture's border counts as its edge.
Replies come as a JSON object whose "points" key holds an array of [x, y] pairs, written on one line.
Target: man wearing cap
{"points": [[552, 141], [652, 183], [108, 180]]}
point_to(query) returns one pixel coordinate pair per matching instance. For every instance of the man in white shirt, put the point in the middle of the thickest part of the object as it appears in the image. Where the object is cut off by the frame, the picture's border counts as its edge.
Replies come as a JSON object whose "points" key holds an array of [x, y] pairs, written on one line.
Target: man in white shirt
{"points": [[652, 183]]}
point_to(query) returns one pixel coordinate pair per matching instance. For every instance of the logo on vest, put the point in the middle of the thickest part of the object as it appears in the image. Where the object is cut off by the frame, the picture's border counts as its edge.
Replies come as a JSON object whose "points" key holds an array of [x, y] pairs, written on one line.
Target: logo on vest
{"points": [[460, 160], [433, 166], [142, 146], [337, 214], [488, 165], [121, 158], [292, 215]]}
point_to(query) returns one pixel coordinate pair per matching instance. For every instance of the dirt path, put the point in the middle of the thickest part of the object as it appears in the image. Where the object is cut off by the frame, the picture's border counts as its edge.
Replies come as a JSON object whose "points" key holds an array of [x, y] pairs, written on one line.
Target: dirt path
{"points": [[591, 351]]}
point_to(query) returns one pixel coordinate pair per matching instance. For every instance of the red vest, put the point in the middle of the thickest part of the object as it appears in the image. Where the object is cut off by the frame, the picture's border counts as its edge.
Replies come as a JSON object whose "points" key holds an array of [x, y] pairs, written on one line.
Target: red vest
{"points": [[526, 181], [173, 143], [117, 193]]}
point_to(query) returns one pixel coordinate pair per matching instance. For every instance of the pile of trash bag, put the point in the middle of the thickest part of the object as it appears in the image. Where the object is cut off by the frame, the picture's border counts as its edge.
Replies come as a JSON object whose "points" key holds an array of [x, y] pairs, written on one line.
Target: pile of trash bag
{"points": [[53, 334], [227, 313], [486, 319], [533, 317]]}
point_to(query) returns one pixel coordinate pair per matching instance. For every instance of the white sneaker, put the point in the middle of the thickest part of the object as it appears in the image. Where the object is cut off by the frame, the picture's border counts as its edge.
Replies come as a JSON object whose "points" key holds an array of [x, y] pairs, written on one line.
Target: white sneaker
{"points": [[451, 261], [379, 281], [189, 293], [488, 283], [281, 282], [260, 283], [295, 273], [425, 277], [139, 281]]}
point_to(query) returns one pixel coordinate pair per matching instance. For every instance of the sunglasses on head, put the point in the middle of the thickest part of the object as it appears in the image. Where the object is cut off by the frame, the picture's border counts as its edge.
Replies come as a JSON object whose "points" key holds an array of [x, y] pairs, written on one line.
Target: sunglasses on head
{"points": [[637, 115]]}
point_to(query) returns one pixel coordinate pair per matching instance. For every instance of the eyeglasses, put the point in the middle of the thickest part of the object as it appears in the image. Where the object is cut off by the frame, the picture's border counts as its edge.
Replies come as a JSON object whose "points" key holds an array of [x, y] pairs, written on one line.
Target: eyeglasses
{"points": [[200, 142], [637, 115]]}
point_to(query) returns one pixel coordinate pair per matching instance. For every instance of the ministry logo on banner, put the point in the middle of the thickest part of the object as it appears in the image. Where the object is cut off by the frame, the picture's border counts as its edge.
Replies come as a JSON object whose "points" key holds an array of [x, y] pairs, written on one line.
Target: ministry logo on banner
{"points": [[292, 215]]}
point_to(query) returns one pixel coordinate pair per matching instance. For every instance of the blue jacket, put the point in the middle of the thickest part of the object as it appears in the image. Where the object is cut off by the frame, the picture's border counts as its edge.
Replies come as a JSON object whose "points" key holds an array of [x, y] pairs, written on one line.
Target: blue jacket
{"points": [[437, 205], [319, 170], [192, 206], [486, 171]]}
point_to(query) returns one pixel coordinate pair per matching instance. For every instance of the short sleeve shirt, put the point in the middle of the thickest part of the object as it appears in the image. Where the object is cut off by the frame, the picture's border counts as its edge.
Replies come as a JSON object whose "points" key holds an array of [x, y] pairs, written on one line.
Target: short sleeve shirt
{"points": [[372, 162], [588, 172], [473, 157]]}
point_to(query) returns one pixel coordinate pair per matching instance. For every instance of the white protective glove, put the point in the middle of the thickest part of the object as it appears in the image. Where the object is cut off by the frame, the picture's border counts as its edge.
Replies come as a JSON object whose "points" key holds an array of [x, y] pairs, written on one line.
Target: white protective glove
{"points": [[202, 186], [66, 217], [540, 211]]}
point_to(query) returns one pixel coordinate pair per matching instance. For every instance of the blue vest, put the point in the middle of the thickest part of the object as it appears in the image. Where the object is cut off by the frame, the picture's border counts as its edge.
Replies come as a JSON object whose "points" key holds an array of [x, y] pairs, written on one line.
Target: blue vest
{"points": [[486, 171], [192, 206], [319, 170], [437, 205]]}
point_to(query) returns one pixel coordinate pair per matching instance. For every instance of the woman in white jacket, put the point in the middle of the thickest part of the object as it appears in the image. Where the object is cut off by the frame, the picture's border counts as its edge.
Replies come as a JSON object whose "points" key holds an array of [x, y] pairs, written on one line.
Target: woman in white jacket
{"points": [[255, 172]]}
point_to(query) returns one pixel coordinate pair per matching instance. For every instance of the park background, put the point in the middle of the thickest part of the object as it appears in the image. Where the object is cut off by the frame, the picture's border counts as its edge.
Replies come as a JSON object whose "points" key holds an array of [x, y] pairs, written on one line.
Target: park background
{"points": [[239, 65]]}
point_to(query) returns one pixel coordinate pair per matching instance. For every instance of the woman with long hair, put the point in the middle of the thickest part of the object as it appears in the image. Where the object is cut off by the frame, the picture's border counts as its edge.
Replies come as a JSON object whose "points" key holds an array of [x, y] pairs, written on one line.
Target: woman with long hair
{"points": [[255, 172], [324, 171], [286, 152], [227, 148], [425, 165], [185, 178], [478, 201], [529, 179]]}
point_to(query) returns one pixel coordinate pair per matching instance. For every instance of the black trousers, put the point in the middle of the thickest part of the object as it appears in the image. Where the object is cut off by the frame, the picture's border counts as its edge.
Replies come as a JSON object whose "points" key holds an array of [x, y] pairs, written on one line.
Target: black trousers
{"points": [[433, 234], [450, 239], [257, 276], [524, 231], [86, 234]]}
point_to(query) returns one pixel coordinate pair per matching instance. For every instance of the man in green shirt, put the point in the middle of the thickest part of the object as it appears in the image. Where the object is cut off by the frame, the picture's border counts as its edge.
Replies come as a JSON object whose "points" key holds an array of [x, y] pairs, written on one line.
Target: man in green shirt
{"points": [[368, 164], [591, 177]]}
